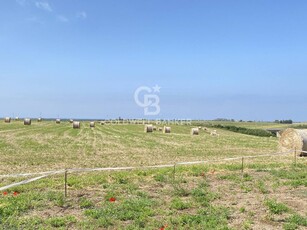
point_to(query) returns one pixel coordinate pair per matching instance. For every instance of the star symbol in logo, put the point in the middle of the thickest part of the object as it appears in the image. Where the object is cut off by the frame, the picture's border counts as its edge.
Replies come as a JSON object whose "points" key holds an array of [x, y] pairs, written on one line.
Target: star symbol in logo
{"points": [[156, 89]]}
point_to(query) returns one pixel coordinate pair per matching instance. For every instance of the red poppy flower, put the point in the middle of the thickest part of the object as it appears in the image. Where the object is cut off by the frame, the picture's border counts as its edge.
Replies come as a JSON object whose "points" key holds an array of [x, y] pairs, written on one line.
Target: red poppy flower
{"points": [[4, 193], [15, 193], [112, 199], [163, 227]]}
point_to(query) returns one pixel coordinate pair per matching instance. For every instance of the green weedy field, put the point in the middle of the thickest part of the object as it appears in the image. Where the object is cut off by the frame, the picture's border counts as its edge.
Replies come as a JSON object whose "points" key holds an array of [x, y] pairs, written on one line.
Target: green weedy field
{"points": [[271, 192]]}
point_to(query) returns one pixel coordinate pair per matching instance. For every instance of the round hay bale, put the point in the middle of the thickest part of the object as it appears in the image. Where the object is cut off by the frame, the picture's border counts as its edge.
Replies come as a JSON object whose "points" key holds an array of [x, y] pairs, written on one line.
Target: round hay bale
{"points": [[194, 131], [102, 123], [160, 129], [148, 128], [7, 120], [154, 128], [214, 133], [166, 129], [291, 139], [39, 119], [16, 118], [76, 125], [27, 121], [71, 121], [58, 121], [92, 124]]}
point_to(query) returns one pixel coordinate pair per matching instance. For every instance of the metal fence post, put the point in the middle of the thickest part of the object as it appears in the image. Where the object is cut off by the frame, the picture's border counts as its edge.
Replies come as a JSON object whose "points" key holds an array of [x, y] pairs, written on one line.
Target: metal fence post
{"points": [[65, 181], [174, 171], [295, 156]]}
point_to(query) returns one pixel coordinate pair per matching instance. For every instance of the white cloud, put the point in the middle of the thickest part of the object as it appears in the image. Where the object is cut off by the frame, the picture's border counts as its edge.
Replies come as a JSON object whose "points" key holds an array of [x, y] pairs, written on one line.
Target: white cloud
{"points": [[82, 15], [43, 6], [62, 18]]}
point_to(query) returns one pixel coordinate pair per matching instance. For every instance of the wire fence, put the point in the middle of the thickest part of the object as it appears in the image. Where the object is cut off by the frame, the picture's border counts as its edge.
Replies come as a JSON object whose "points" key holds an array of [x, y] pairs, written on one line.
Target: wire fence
{"points": [[41, 175]]}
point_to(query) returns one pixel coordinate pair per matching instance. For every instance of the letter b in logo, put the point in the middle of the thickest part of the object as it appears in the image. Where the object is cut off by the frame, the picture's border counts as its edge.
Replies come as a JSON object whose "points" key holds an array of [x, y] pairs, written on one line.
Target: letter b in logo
{"points": [[150, 101]]}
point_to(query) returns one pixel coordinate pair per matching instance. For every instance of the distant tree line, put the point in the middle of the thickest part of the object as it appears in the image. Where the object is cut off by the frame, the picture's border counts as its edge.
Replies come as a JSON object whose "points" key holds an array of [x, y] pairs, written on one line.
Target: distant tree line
{"points": [[284, 121], [224, 119]]}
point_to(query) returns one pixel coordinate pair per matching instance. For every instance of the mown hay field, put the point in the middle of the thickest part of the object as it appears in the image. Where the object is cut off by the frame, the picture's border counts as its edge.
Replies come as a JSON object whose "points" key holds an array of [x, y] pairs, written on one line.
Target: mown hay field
{"points": [[47, 146], [270, 192]]}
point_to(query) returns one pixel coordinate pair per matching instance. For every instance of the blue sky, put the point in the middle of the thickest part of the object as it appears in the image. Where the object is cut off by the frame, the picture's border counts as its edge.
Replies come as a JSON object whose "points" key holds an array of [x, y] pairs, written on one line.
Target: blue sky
{"points": [[85, 59]]}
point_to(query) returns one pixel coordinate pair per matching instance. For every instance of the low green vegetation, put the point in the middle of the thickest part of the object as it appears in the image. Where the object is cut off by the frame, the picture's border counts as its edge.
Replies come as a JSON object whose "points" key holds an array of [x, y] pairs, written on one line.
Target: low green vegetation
{"points": [[295, 221], [243, 130], [276, 207], [188, 200]]}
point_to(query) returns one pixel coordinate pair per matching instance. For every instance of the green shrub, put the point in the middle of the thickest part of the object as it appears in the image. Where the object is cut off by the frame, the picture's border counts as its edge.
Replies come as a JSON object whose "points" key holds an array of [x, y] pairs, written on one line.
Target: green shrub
{"points": [[178, 204], [61, 221], [290, 226], [85, 203], [297, 220], [262, 187], [254, 132], [208, 218], [134, 209], [160, 178], [202, 194], [275, 207]]}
